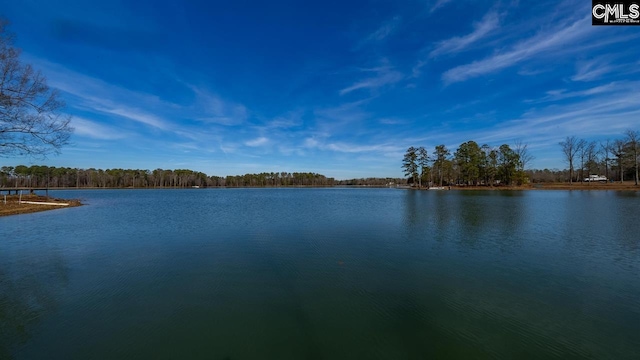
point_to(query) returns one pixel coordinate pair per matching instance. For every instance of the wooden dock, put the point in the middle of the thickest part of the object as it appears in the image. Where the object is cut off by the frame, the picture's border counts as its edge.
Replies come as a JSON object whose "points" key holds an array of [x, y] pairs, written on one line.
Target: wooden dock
{"points": [[17, 189]]}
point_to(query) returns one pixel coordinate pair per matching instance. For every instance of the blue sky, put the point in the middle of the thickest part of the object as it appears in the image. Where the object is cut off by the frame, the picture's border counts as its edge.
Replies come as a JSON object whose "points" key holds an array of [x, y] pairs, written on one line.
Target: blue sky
{"points": [[338, 88]]}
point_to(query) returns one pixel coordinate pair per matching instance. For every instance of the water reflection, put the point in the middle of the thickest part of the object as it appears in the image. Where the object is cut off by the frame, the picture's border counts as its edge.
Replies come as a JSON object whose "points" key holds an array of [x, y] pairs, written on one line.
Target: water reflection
{"points": [[442, 214], [627, 194], [473, 219], [419, 209], [473, 214], [510, 216], [411, 208], [28, 292], [625, 225]]}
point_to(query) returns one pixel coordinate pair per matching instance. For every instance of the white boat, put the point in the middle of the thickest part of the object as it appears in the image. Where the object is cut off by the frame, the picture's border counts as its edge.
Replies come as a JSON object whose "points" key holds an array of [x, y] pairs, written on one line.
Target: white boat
{"points": [[593, 178]]}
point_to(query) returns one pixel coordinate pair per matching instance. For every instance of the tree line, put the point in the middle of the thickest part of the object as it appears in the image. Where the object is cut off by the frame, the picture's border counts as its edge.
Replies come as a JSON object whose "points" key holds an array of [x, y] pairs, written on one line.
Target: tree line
{"points": [[45, 176], [470, 164], [65, 177], [376, 182], [275, 179], [615, 159]]}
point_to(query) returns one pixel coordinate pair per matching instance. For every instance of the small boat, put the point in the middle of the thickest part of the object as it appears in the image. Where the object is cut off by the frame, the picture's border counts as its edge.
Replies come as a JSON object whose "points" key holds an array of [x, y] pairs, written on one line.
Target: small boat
{"points": [[593, 178]]}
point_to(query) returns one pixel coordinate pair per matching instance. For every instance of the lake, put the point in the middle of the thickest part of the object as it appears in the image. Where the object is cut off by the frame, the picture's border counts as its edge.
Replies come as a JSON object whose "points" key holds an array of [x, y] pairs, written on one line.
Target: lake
{"points": [[323, 274]]}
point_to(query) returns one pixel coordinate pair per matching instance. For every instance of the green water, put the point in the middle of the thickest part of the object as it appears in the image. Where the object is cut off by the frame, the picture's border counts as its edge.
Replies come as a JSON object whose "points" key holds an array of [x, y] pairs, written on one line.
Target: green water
{"points": [[323, 274]]}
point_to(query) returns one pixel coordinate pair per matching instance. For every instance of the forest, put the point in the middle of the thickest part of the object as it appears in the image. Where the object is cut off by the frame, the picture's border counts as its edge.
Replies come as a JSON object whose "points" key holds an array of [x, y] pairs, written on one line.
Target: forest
{"points": [[476, 165], [64, 177], [470, 164]]}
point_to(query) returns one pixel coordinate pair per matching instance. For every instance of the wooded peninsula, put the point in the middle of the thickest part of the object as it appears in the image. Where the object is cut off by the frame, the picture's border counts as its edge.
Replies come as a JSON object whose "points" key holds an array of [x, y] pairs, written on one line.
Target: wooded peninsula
{"points": [[475, 165]]}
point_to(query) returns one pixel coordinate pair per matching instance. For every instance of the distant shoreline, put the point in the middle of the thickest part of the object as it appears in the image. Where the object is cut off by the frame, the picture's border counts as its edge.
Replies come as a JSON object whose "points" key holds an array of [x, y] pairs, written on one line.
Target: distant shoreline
{"points": [[584, 186], [210, 187], [617, 186]]}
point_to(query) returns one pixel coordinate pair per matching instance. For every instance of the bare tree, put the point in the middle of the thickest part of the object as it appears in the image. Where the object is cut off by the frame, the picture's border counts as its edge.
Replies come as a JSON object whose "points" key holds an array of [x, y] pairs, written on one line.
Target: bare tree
{"points": [[605, 149], [633, 137], [31, 122], [618, 150], [582, 150], [524, 157], [570, 147], [522, 151], [591, 154]]}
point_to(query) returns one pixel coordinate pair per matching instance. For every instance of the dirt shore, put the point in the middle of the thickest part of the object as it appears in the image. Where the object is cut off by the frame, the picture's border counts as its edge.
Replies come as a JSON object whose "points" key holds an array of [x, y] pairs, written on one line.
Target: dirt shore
{"points": [[617, 186], [14, 207]]}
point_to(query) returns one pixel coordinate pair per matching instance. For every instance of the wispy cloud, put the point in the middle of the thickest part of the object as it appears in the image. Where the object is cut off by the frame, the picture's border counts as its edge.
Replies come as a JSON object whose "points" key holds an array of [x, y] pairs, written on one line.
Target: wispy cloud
{"points": [[359, 148], [138, 115], [587, 72], [562, 94], [351, 148], [311, 142], [547, 124], [544, 43], [383, 32], [257, 142], [612, 97], [459, 43], [213, 109], [175, 125], [97, 95], [385, 75], [92, 129], [439, 4], [329, 119], [391, 121], [290, 119], [416, 71], [595, 69]]}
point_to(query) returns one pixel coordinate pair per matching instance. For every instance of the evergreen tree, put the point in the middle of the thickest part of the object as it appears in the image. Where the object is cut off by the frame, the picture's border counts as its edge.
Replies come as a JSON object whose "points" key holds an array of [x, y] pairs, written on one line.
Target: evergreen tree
{"points": [[410, 163]]}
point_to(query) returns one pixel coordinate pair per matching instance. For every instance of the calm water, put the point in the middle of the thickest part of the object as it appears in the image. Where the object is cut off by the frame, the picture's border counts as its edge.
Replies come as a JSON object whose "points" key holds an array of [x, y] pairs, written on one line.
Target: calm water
{"points": [[323, 274]]}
